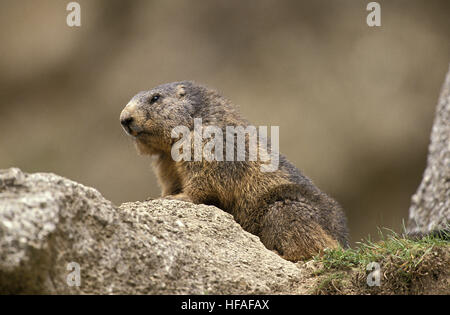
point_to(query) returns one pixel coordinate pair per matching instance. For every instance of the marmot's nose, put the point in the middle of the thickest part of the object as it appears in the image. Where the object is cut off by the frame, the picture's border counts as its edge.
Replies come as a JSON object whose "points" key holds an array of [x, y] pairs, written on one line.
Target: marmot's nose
{"points": [[126, 121]]}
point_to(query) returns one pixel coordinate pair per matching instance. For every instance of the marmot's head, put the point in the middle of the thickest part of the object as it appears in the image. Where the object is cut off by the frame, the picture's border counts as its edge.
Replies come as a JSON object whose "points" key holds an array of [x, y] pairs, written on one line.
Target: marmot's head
{"points": [[151, 115]]}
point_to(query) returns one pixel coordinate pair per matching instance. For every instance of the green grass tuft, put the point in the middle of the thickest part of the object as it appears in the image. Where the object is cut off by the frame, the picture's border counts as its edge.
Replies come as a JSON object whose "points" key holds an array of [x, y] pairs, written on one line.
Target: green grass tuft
{"points": [[408, 266], [407, 251]]}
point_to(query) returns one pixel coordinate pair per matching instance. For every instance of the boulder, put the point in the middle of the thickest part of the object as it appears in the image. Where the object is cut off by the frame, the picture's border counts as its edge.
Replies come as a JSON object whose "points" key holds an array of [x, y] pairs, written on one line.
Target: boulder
{"points": [[430, 206], [60, 237]]}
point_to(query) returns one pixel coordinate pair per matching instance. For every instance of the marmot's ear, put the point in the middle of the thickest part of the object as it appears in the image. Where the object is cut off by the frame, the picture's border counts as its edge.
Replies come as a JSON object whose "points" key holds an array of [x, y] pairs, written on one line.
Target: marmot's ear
{"points": [[181, 91]]}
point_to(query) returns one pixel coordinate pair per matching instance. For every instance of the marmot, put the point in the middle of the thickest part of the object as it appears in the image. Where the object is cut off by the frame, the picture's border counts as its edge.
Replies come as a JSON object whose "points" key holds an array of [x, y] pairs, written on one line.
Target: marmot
{"points": [[283, 208]]}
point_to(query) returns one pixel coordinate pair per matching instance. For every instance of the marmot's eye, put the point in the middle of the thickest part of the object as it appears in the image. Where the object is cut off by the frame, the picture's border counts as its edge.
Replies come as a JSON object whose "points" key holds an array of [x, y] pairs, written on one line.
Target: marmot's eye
{"points": [[154, 98]]}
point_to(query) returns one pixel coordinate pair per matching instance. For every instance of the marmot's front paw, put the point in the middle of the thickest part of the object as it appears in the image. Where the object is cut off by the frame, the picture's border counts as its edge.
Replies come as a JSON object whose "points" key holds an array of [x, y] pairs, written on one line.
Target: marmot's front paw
{"points": [[182, 197]]}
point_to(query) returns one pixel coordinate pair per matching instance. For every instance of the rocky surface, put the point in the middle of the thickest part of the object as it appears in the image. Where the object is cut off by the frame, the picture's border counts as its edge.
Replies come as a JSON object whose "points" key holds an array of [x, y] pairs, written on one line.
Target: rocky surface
{"points": [[430, 206], [60, 237], [154, 247]]}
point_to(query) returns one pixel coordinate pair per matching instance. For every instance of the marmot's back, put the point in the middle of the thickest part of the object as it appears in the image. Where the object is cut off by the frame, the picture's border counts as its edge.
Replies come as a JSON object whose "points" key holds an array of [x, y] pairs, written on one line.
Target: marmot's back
{"points": [[282, 207]]}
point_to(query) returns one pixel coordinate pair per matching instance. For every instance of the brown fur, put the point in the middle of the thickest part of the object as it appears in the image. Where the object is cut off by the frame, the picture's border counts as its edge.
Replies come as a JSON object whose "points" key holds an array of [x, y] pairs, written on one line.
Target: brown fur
{"points": [[283, 208]]}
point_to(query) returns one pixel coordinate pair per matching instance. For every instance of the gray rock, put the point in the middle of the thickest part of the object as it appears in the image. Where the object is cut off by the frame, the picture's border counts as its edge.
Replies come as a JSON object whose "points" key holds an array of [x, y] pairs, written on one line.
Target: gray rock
{"points": [[154, 247], [430, 206]]}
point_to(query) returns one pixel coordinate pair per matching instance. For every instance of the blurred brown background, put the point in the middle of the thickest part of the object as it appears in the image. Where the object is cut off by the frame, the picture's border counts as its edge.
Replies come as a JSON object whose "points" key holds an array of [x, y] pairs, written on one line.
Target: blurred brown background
{"points": [[354, 104]]}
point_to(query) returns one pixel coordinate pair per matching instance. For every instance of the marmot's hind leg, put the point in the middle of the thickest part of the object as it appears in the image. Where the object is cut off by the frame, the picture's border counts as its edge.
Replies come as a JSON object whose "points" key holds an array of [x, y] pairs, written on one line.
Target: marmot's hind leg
{"points": [[290, 228]]}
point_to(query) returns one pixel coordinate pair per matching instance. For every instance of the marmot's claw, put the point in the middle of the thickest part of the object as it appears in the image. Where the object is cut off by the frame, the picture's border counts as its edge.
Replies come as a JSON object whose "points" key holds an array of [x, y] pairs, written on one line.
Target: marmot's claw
{"points": [[181, 197]]}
